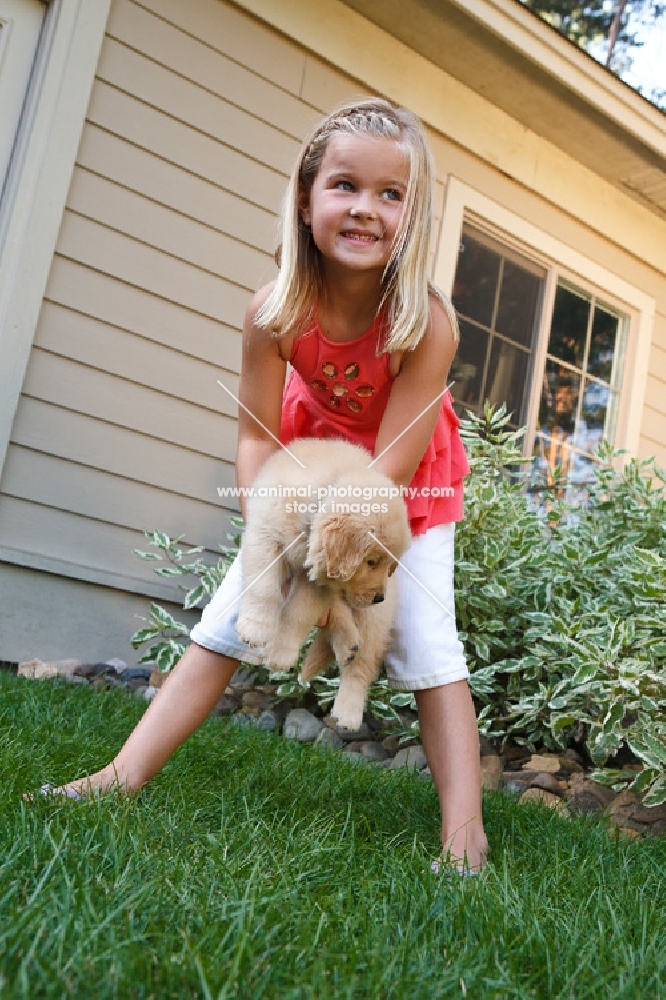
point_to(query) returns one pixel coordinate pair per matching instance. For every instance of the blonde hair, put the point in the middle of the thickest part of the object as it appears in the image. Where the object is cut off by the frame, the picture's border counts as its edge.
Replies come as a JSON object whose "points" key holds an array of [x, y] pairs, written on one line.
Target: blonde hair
{"points": [[290, 305]]}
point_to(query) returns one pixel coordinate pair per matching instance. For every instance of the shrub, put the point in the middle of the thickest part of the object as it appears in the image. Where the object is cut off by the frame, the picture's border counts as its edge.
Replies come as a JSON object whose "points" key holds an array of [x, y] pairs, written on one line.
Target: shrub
{"points": [[560, 608]]}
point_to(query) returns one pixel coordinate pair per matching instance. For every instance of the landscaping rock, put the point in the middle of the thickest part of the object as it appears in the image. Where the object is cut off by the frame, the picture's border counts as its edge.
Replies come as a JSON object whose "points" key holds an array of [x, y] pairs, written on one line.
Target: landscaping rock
{"points": [[134, 674], [267, 721], [255, 700], [627, 811], [119, 665], [412, 758], [90, 670], [546, 799], [226, 705], [38, 670], [348, 735], [35, 670], [491, 773], [517, 782], [373, 751], [150, 692], [569, 766], [329, 739], [587, 796], [302, 725], [542, 762]]}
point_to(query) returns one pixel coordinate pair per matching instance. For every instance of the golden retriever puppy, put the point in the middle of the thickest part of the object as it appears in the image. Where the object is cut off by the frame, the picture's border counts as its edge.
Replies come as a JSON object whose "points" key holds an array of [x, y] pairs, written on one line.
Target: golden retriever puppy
{"points": [[334, 529]]}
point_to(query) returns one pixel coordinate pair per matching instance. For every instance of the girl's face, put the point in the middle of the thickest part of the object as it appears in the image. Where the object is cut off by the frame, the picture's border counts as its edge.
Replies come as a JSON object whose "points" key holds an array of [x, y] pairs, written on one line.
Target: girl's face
{"points": [[355, 205]]}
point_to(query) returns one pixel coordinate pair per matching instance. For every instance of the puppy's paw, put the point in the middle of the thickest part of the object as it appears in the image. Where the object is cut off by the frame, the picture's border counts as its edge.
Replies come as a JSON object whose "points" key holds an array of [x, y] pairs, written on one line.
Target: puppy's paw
{"points": [[255, 631], [347, 714]]}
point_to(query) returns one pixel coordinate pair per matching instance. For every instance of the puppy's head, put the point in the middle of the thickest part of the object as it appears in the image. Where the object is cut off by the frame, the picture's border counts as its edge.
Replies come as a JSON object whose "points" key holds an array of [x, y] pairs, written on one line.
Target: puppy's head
{"points": [[343, 552]]}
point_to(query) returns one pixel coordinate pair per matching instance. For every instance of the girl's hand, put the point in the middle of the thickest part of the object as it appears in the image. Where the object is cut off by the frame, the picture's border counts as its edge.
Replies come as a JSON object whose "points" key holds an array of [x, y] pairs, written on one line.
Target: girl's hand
{"points": [[416, 396]]}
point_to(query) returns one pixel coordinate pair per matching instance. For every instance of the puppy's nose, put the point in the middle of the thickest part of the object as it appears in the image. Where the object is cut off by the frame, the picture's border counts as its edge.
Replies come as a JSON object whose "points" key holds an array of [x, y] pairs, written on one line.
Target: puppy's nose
{"points": [[378, 598]]}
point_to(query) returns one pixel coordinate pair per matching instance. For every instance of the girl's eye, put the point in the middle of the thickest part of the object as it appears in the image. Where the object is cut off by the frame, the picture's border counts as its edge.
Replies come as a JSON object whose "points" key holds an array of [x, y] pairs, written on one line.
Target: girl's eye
{"points": [[345, 186], [392, 194]]}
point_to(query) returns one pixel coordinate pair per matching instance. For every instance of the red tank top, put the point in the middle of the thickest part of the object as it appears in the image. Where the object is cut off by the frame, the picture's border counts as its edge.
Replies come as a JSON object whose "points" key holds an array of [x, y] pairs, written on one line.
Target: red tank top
{"points": [[340, 390]]}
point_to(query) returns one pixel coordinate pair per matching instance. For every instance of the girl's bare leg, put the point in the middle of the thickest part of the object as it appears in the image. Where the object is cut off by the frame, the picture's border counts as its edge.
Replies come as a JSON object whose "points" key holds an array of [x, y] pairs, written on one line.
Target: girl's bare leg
{"points": [[186, 699], [451, 743]]}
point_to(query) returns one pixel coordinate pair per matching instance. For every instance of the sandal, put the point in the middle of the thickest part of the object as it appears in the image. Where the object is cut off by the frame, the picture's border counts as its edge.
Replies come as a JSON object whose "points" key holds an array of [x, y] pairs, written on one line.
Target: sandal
{"points": [[439, 866], [48, 790]]}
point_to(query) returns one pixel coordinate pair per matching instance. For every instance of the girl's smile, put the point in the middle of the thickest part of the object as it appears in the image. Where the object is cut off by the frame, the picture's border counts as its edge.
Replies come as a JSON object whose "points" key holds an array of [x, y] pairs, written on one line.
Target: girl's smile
{"points": [[355, 205]]}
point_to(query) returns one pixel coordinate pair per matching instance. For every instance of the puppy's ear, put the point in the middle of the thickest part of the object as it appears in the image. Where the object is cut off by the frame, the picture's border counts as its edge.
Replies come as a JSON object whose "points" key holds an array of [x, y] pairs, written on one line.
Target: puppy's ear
{"points": [[337, 547], [315, 561]]}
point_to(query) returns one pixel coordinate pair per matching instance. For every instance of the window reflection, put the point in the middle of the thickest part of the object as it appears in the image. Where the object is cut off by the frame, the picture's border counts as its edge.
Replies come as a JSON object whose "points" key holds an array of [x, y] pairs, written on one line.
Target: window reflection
{"points": [[579, 401], [497, 301]]}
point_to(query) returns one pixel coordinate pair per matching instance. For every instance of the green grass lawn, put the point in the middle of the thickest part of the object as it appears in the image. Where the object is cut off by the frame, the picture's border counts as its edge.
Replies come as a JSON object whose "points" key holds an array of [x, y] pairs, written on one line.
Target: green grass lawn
{"points": [[254, 867]]}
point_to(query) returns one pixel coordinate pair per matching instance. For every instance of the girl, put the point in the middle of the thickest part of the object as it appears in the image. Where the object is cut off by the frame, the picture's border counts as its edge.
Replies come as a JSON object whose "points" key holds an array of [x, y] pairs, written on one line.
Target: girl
{"points": [[371, 342]]}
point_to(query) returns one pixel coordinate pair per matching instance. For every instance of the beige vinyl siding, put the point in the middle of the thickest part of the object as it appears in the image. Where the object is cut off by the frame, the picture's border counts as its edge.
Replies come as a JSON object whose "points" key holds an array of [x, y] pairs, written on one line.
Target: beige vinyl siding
{"points": [[170, 225], [653, 436]]}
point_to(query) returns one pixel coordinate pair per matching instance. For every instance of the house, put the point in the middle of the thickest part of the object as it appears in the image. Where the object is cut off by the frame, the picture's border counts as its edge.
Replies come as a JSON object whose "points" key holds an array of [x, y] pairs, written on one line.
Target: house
{"points": [[145, 146]]}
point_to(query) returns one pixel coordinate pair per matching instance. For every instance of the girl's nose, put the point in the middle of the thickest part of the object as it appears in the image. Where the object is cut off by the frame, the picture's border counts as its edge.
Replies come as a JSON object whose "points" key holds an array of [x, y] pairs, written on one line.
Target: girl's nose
{"points": [[363, 206]]}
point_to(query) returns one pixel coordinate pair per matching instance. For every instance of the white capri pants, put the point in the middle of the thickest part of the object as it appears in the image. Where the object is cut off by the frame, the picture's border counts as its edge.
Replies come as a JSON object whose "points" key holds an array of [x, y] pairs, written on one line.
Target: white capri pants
{"points": [[425, 650]]}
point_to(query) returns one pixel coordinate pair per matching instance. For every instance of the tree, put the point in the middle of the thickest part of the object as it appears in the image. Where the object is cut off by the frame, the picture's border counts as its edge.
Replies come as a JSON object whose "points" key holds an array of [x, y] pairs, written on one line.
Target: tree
{"points": [[607, 29]]}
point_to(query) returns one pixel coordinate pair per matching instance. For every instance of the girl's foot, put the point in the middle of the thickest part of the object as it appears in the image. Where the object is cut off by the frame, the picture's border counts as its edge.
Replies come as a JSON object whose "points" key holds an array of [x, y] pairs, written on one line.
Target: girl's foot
{"points": [[465, 852], [103, 782]]}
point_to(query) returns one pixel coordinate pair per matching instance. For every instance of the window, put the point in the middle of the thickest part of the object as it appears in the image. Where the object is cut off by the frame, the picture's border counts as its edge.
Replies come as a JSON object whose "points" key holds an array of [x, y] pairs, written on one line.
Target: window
{"points": [[580, 390], [497, 297], [551, 349]]}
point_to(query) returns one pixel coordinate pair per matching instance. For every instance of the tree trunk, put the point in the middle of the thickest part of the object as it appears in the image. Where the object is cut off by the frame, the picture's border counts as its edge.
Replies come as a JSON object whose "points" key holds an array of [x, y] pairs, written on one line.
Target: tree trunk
{"points": [[615, 30]]}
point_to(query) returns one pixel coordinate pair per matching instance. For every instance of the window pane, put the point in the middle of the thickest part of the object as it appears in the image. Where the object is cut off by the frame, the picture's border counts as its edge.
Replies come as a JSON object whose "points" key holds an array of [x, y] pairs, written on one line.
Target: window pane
{"points": [[602, 344], [569, 328], [519, 299], [476, 281], [559, 400], [597, 415], [507, 376], [467, 367], [581, 471], [550, 452]]}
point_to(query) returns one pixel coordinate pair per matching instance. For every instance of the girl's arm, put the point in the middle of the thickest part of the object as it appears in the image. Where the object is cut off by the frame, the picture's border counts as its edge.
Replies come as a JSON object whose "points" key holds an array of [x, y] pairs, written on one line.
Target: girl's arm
{"points": [[422, 377], [260, 390]]}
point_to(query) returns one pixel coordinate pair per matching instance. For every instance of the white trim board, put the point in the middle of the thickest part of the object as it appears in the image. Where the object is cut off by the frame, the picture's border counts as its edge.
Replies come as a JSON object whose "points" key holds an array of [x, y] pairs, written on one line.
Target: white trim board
{"points": [[38, 181], [462, 201]]}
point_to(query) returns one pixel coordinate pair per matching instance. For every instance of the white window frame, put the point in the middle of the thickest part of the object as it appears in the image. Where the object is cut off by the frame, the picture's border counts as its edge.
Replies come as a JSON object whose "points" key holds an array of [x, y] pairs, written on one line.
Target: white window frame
{"points": [[38, 180], [464, 204]]}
